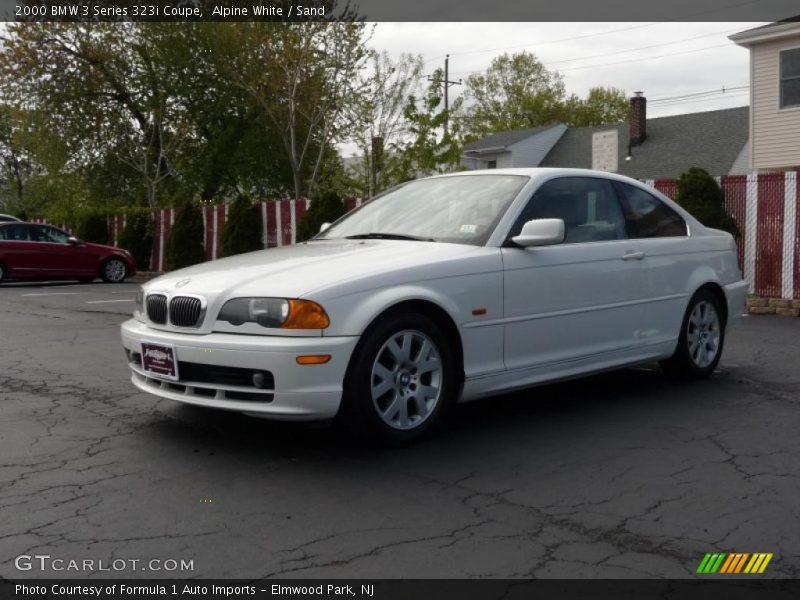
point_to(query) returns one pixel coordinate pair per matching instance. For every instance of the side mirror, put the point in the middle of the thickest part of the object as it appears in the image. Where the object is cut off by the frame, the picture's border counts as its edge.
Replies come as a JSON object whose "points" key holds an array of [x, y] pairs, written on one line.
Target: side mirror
{"points": [[73, 240], [324, 226], [540, 232]]}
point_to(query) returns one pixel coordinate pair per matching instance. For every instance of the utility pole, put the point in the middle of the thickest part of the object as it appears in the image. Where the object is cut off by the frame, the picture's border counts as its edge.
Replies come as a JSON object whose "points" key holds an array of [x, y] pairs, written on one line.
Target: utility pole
{"points": [[447, 83], [376, 164]]}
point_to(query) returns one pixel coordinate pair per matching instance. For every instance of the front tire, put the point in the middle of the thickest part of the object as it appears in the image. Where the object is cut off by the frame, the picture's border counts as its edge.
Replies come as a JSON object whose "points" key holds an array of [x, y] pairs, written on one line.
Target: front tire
{"points": [[701, 340], [114, 270], [401, 380], [2, 272]]}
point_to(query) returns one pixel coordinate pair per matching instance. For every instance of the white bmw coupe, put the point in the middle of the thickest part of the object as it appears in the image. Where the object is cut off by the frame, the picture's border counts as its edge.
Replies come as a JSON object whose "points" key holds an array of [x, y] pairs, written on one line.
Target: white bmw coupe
{"points": [[443, 289]]}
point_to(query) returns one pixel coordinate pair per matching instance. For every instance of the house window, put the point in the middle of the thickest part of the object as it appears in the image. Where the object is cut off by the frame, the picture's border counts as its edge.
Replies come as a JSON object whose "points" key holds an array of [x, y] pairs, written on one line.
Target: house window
{"points": [[492, 164], [790, 78]]}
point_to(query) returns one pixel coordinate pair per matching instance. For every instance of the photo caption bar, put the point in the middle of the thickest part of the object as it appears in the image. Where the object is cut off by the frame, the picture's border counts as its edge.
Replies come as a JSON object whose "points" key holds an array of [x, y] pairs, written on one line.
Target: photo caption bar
{"points": [[390, 10]]}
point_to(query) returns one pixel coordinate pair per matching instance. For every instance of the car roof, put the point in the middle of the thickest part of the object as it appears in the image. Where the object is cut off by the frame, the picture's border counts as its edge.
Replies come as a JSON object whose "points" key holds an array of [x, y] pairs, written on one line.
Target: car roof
{"points": [[18, 222], [543, 173]]}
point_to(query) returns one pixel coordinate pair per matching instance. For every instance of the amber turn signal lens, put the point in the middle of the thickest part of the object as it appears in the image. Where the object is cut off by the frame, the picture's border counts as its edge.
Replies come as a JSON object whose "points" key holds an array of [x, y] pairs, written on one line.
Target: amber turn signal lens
{"points": [[313, 359], [305, 314]]}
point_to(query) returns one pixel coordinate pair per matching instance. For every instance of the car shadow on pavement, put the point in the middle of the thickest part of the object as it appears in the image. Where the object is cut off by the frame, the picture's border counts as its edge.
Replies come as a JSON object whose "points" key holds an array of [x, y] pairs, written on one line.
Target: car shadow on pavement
{"points": [[587, 402]]}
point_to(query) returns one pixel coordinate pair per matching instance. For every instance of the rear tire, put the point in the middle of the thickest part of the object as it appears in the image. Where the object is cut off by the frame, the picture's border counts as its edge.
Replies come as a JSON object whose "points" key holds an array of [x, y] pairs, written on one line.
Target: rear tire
{"points": [[401, 380], [701, 340], [2, 272], [114, 270]]}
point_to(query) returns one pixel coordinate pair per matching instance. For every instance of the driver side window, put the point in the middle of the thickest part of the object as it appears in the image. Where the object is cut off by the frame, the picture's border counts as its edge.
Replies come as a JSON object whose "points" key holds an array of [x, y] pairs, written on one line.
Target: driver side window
{"points": [[587, 205], [43, 233]]}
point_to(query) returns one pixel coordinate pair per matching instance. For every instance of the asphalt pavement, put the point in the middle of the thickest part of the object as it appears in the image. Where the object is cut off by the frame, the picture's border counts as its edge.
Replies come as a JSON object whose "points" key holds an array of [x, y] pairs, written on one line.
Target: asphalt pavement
{"points": [[626, 474]]}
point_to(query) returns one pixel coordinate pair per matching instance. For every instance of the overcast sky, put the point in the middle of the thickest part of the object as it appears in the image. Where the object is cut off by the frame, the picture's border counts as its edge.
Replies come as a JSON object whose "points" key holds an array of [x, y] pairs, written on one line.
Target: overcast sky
{"points": [[661, 59]]}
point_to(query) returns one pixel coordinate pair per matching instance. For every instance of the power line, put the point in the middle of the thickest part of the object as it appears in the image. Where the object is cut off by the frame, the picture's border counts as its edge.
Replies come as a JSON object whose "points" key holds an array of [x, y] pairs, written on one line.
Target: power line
{"points": [[558, 41], [646, 58], [696, 100], [696, 95], [661, 45], [602, 33], [699, 93]]}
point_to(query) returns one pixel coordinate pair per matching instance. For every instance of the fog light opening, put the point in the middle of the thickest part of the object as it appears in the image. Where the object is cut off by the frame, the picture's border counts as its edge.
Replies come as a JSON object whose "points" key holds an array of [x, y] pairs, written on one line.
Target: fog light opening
{"points": [[259, 378], [313, 359]]}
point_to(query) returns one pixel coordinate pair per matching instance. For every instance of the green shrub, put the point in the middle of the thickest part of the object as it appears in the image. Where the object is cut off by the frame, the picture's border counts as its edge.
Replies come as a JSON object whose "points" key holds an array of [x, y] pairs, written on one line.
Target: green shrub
{"points": [[137, 237], [243, 231], [185, 244], [700, 194], [325, 208], [92, 227]]}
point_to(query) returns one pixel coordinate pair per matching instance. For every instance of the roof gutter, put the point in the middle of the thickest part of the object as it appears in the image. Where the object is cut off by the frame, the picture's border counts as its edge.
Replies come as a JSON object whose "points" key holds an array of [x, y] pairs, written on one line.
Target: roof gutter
{"points": [[486, 150], [776, 32]]}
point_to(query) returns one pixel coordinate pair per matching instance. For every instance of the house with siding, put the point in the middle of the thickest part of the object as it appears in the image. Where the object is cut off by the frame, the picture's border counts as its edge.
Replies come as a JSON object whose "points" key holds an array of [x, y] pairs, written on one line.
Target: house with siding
{"points": [[516, 148], [774, 94], [642, 148]]}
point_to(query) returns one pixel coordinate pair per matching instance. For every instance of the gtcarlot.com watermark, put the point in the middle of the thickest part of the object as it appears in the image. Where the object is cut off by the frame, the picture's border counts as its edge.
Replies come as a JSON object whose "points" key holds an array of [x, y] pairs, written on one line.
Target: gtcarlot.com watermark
{"points": [[45, 562]]}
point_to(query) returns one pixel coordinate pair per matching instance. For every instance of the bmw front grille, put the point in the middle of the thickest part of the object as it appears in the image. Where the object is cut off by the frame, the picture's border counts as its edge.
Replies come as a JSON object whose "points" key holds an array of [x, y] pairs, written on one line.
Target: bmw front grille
{"points": [[185, 311], [157, 308], [180, 311]]}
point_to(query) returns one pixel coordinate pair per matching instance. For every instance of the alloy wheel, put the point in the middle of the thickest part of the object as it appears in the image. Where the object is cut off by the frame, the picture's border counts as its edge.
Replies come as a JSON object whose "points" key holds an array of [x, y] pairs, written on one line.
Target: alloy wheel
{"points": [[703, 334], [114, 270], [406, 379]]}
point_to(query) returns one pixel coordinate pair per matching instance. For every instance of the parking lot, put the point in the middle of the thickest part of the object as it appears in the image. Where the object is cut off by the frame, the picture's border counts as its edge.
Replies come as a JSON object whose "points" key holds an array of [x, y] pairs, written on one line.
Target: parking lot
{"points": [[626, 474]]}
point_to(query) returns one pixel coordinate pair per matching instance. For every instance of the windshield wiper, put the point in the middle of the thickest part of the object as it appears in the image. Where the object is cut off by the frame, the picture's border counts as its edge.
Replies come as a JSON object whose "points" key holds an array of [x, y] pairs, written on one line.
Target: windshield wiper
{"points": [[388, 236]]}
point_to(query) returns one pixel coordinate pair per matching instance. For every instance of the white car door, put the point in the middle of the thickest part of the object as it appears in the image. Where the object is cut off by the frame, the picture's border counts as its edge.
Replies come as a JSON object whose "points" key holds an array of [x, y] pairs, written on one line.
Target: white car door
{"points": [[583, 299], [663, 234]]}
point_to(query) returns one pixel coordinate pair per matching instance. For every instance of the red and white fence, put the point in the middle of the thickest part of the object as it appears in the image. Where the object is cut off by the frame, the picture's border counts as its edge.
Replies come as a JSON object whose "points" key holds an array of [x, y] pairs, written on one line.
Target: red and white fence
{"points": [[279, 219], [765, 207]]}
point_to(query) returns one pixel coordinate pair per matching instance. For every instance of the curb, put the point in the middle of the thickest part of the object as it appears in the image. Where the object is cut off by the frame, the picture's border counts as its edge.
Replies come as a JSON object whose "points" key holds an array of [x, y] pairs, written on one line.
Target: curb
{"points": [[143, 276], [783, 307]]}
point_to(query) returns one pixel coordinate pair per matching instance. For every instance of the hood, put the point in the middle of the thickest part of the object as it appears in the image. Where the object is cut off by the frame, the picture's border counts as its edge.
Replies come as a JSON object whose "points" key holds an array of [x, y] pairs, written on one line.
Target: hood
{"points": [[104, 248], [300, 270]]}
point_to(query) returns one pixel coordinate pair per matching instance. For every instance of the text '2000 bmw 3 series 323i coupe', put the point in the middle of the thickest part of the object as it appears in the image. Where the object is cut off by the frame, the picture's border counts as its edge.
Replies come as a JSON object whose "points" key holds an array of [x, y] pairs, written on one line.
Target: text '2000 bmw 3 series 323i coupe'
{"points": [[443, 290]]}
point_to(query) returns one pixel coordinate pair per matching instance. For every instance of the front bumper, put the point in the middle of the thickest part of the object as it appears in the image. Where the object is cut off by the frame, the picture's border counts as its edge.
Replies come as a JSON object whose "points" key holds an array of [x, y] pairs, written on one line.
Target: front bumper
{"points": [[300, 392]]}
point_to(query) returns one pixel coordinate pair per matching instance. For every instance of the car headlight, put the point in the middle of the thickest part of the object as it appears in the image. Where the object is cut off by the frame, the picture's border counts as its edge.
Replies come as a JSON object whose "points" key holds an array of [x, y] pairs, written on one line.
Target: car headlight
{"points": [[275, 313], [138, 305], [139, 301]]}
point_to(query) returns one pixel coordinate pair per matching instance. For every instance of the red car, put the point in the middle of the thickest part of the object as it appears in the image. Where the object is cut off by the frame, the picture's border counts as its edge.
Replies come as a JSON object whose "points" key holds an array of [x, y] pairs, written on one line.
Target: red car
{"points": [[32, 251]]}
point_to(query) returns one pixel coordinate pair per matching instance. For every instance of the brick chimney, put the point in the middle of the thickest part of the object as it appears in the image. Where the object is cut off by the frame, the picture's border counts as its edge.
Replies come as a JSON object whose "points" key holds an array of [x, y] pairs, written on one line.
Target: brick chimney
{"points": [[638, 118]]}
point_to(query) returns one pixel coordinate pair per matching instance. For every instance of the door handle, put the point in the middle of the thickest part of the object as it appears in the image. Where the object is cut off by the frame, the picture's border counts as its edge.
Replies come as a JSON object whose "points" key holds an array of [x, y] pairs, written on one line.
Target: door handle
{"points": [[633, 255]]}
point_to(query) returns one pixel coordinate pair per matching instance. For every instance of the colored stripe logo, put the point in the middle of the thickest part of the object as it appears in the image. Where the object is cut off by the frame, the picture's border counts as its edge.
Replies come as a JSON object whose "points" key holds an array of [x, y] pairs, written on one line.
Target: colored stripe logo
{"points": [[734, 563]]}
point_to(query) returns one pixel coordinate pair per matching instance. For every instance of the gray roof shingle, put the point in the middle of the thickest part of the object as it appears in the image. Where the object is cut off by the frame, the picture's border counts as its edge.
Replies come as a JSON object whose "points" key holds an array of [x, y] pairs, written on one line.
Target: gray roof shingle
{"points": [[711, 140]]}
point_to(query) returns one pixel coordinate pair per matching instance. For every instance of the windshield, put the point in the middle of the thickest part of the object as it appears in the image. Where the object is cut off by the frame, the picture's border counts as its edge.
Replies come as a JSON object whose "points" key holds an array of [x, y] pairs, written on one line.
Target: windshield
{"points": [[460, 209]]}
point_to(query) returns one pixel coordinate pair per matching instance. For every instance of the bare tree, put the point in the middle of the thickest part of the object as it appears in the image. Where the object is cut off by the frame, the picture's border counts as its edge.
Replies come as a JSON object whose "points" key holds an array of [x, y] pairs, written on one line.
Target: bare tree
{"points": [[387, 89], [304, 76], [147, 152]]}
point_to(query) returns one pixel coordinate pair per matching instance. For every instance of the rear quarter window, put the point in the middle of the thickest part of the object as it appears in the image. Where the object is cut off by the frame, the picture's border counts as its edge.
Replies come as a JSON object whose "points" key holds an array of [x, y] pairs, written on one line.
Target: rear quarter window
{"points": [[646, 216]]}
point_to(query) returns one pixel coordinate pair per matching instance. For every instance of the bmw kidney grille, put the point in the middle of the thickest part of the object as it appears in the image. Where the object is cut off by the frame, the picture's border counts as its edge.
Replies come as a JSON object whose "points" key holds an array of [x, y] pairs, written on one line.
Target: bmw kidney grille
{"points": [[183, 311]]}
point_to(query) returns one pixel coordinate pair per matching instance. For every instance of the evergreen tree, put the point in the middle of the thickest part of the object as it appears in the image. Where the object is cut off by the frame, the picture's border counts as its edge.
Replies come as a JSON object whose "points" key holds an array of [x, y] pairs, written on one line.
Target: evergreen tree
{"points": [[137, 237], [243, 231], [700, 194], [185, 244], [325, 208], [92, 227]]}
